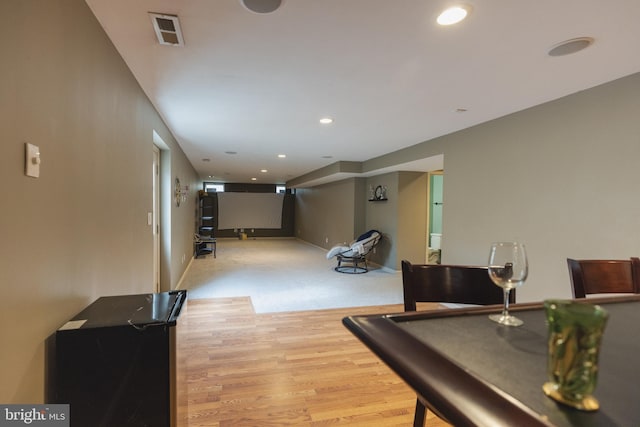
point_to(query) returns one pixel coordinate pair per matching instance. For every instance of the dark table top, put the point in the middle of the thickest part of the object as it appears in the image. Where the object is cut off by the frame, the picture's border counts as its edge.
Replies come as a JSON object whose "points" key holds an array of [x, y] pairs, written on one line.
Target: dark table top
{"points": [[476, 372]]}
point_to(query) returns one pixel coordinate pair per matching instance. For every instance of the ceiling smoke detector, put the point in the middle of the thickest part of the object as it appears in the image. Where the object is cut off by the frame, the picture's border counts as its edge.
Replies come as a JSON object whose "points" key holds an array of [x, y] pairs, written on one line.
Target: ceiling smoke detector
{"points": [[261, 6], [167, 28]]}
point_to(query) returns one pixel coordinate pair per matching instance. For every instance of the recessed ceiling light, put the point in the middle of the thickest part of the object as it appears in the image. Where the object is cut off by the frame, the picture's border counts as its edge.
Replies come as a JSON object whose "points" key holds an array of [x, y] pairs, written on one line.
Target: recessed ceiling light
{"points": [[326, 120], [254, 179], [282, 156], [206, 160], [453, 15], [263, 170], [461, 110], [231, 152], [568, 47], [327, 157]]}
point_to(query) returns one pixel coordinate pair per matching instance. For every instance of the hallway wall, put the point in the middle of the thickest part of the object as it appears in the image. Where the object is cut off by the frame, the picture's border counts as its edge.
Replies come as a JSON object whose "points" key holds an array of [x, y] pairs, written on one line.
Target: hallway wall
{"points": [[79, 231]]}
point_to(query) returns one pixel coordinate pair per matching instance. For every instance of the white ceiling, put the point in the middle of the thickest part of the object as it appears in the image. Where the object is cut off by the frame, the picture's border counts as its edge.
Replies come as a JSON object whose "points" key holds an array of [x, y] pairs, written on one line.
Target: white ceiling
{"points": [[257, 84]]}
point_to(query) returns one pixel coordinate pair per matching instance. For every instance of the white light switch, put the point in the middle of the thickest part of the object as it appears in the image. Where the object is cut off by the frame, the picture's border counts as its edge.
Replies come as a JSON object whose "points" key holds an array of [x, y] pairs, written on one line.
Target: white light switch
{"points": [[31, 160], [149, 218]]}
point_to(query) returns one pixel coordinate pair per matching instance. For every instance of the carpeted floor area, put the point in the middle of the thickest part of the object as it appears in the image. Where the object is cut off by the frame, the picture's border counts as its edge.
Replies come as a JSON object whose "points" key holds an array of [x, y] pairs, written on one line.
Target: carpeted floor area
{"points": [[286, 275]]}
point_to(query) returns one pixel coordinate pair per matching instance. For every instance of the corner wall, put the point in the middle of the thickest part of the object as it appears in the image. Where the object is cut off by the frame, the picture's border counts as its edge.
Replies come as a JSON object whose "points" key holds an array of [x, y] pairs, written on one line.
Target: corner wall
{"points": [[383, 216], [330, 214], [323, 212], [412, 218], [561, 177]]}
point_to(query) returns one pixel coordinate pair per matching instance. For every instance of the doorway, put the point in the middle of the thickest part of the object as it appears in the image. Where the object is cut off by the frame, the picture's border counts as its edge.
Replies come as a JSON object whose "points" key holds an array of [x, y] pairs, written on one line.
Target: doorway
{"points": [[155, 225], [434, 220]]}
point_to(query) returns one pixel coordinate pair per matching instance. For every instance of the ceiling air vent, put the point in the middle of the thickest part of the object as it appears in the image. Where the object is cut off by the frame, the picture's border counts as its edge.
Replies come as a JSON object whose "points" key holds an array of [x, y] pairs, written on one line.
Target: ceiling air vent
{"points": [[167, 29]]}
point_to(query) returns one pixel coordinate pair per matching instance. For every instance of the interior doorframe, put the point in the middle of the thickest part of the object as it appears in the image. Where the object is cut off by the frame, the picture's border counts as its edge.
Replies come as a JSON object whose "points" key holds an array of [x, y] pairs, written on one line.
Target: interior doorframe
{"points": [[155, 223], [429, 204], [165, 188]]}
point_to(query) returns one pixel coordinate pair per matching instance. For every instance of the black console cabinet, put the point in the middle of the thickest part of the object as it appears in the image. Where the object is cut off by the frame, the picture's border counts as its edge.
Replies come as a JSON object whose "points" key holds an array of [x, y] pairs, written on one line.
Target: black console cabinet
{"points": [[117, 362]]}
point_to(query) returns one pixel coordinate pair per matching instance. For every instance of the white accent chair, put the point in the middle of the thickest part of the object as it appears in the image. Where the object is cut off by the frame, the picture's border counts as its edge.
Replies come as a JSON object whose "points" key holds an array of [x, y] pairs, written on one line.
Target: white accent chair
{"points": [[352, 259]]}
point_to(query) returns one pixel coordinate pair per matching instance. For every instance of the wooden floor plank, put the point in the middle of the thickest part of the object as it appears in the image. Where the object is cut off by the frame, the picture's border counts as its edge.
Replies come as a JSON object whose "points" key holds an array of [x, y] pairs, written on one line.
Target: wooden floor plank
{"points": [[287, 369]]}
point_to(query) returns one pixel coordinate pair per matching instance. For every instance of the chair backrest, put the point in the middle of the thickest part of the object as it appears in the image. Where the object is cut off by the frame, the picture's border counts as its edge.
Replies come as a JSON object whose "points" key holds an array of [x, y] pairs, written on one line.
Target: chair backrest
{"points": [[600, 276], [449, 283], [365, 244]]}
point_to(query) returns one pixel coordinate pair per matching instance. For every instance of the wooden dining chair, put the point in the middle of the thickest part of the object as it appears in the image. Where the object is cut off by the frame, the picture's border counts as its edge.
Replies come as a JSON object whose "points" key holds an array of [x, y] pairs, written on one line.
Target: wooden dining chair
{"points": [[448, 284], [600, 276]]}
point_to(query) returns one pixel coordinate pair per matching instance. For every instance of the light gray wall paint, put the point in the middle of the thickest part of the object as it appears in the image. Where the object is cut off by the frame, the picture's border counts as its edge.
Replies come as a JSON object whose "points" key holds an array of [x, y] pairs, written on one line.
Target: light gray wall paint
{"points": [[361, 194], [401, 219], [412, 218], [326, 215], [561, 177], [80, 230], [383, 216], [323, 211]]}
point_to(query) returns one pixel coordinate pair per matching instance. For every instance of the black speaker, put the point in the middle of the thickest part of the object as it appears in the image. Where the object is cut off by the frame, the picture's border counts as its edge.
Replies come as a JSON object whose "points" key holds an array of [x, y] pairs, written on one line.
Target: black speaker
{"points": [[262, 6]]}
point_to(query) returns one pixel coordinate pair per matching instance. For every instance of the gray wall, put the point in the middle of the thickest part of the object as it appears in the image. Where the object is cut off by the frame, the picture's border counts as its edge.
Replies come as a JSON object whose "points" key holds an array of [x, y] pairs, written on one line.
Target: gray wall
{"points": [[561, 177], [80, 230], [401, 219], [382, 216], [412, 218], [330, 214], [324, 211]]}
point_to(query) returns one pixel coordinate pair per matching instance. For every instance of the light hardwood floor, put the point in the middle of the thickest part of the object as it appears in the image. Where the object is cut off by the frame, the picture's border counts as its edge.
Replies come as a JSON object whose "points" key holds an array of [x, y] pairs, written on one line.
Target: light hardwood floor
{"points": [[299, 368]]}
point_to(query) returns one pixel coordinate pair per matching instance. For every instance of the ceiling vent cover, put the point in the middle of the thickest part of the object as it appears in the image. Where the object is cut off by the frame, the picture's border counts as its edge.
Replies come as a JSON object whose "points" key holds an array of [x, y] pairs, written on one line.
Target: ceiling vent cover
{"points": [[167, 29]]}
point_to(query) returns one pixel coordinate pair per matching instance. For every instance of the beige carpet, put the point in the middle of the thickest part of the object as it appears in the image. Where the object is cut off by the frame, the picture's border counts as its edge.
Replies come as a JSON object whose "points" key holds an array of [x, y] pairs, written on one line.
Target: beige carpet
{"points": [[286, 275]]}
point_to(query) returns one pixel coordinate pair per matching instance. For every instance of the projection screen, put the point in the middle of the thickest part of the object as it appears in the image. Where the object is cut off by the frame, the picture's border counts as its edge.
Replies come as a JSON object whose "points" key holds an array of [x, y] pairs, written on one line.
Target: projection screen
{"points": [[249, 210]]}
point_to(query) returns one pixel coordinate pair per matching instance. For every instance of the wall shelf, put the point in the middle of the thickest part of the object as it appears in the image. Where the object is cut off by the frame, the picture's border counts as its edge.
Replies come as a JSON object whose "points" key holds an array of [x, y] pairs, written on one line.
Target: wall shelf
{"points": [[205, 217]]}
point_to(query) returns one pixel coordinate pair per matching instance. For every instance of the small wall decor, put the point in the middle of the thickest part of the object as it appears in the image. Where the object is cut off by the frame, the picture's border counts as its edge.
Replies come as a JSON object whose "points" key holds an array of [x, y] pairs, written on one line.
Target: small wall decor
{"points": [[177, 192], [380, 193]]}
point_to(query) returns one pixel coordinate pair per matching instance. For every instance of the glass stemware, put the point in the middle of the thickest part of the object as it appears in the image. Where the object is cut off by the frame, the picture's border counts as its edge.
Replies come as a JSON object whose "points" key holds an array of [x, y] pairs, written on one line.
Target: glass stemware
{"points": [[508, 268]]}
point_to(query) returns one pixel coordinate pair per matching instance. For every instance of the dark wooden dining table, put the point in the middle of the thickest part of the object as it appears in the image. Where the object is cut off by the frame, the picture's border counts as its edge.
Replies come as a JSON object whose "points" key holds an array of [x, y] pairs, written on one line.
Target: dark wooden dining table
{"points": [[475, 372]]}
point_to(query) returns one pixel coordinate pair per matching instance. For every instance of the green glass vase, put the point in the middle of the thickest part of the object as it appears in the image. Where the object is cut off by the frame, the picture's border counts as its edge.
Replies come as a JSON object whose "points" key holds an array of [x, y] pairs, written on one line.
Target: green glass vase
{"points": [[575, 334]]}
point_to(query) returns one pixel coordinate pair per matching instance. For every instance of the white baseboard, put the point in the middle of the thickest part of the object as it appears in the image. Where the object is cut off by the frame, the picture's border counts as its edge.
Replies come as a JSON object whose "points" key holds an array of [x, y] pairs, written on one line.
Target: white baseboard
{"points": [[184, 273]]}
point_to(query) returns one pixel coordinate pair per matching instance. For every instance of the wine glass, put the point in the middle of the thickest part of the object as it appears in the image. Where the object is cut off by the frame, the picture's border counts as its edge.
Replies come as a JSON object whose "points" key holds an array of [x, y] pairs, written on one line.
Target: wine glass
{"points": [[508, 268]]}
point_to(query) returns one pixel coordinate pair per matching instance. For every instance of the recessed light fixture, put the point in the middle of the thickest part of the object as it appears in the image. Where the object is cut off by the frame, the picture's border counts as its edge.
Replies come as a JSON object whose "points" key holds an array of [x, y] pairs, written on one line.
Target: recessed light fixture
{"points": [[461, 110], [327, 157], [453, 15], [206, 160], [326, 120], [254, 179], [570, 46], [231, 152], [282, 156], [263, 170]]}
